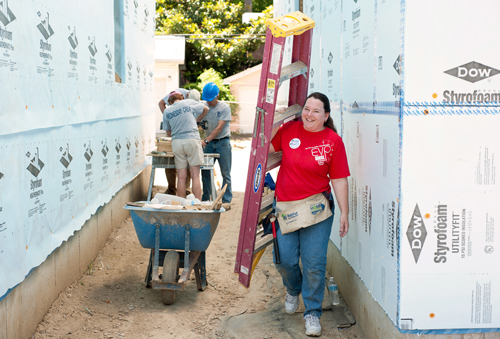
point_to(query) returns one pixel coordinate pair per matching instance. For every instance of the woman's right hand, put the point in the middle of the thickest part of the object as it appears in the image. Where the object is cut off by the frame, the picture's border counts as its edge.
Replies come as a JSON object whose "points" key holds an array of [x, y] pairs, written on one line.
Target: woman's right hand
{"points": [[344, 225]]}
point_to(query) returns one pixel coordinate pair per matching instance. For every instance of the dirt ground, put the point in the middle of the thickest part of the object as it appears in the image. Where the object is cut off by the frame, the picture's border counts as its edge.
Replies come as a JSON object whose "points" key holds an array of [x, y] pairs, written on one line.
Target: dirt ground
{"points": [[111, 300]]}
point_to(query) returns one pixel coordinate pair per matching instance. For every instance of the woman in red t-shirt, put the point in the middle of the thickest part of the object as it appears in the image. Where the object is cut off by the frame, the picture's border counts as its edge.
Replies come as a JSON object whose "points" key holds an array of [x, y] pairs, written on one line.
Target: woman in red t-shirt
{"points": [[313, 158]]}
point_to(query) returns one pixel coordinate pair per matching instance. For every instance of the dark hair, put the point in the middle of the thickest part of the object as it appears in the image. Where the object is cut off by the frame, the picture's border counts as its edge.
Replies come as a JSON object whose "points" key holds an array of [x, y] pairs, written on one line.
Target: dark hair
{"points": [[174, 97], [326, 105]]}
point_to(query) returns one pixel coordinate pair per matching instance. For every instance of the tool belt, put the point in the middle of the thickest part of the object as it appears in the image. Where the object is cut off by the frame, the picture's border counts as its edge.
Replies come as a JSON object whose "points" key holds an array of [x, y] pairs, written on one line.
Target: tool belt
{"points": [[296, 214]]}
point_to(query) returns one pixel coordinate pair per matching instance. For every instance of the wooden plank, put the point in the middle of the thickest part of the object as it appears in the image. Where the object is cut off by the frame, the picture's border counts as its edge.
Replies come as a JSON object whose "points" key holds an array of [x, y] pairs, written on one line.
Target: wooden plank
{"points": [[197, 208], [217, 204], [135, 204]]}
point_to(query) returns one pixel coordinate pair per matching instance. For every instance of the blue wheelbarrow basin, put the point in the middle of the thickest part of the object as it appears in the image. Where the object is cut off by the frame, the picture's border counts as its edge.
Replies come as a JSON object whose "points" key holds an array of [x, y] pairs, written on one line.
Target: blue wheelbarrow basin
{"points": [[173, 224]]}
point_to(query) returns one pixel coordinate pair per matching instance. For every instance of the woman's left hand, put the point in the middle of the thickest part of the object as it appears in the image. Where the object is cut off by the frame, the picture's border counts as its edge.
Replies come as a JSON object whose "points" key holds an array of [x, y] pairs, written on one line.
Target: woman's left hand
{"points": [[344, 225]]}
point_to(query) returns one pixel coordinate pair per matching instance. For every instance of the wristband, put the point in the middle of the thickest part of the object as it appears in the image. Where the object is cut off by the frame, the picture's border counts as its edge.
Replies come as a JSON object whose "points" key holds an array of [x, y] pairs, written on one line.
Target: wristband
{"points": [[206, 141]]}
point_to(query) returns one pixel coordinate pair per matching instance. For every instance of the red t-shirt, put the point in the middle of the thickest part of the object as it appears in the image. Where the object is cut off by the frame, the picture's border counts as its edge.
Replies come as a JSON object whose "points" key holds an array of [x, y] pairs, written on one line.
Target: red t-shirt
{"points": [[310, 160]]}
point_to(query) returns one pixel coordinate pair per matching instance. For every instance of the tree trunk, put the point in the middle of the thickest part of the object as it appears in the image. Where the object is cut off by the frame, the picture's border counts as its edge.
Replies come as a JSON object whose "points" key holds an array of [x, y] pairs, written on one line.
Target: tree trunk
{"points": [[248, 6]]}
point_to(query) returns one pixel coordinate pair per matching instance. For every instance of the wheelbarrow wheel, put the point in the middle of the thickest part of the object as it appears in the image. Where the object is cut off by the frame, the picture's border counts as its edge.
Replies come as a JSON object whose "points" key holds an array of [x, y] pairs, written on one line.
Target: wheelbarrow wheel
{"points": [[170, 268]]}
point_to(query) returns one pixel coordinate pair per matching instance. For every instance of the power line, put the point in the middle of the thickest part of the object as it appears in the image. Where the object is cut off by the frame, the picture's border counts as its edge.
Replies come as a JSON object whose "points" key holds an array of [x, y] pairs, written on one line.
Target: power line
{"points": [[226, 39], [206, 34], [219, 36]]}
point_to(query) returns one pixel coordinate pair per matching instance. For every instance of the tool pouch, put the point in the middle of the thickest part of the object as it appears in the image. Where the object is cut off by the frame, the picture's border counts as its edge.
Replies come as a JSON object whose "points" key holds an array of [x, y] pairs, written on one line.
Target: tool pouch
{"points": [[293, 215]]}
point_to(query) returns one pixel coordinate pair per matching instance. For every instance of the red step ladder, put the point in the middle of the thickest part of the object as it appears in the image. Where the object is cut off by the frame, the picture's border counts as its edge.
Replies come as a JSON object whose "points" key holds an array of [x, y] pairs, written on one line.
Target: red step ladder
{"points": [[272, 76]]}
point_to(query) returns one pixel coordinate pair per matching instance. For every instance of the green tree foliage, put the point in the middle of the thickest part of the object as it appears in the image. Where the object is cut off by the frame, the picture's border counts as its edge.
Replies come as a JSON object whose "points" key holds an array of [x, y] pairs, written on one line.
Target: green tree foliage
{"points": [[202, 17], [259, 6], [210, 75]]}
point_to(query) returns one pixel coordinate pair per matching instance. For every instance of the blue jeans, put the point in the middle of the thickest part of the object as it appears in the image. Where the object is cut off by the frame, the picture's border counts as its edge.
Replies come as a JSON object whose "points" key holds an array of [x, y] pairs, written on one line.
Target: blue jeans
{"points": [[310, 245], [223, 148]]}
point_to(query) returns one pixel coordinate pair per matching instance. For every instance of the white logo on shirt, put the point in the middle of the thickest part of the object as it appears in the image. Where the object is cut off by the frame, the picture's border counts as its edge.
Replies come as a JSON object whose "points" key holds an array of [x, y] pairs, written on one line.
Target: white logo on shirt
{"points": [[321, 153]]}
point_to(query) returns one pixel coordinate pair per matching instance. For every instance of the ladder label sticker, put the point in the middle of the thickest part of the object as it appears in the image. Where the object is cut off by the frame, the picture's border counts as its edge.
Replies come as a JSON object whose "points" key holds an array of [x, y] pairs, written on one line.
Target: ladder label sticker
{"points": [[275, 58], [244, 270], [257, 177], [271, 85]]}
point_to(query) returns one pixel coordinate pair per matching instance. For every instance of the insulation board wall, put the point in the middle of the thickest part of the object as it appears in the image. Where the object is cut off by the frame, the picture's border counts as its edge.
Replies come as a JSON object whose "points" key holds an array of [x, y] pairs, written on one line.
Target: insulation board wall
{"points": [[416, 95]]}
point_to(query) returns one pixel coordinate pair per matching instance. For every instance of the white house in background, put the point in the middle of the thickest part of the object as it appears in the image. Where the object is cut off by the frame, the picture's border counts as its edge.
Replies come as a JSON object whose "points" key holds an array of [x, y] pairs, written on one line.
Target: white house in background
{"points": [[251, 16], [169, 54], [245, 87]]}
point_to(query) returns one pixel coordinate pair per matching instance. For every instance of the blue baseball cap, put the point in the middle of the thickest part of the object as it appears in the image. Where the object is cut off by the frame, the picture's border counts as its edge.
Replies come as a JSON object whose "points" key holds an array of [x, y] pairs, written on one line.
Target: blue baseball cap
{"points": [[210, 92]]}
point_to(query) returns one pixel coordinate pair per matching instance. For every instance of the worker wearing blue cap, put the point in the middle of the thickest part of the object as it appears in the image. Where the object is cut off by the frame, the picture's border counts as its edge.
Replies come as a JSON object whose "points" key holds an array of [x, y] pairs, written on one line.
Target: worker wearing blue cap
{"points": [[217, 141]]}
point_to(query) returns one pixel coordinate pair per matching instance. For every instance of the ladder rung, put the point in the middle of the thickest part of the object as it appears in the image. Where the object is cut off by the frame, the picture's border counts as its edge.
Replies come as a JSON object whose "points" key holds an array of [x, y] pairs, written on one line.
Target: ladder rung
{"points": [[266, 206], [273, 160], [267, 202], [291, 113], [260, 230], [292, 71], [263, 242]]}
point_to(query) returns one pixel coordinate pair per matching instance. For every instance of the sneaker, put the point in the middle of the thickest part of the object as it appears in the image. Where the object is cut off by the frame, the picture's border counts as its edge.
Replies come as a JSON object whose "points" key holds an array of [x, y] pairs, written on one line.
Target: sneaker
{"points": [[291, 303], [171, 191], [226, 205], [313, 328]]}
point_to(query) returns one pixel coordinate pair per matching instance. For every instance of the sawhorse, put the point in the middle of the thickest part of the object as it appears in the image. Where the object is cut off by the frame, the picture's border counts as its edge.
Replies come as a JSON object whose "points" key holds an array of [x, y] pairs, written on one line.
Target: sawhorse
{"points": [[167, 161]]}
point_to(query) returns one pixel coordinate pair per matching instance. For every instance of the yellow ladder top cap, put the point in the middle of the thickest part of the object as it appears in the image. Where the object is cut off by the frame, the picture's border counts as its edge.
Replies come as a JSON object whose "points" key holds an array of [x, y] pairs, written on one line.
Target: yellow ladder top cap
{"points": [[294, 23]]}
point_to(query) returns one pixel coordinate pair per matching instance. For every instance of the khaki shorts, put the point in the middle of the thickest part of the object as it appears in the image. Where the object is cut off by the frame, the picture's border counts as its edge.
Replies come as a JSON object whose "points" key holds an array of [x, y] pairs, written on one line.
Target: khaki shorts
{"points": [[187, 152]]}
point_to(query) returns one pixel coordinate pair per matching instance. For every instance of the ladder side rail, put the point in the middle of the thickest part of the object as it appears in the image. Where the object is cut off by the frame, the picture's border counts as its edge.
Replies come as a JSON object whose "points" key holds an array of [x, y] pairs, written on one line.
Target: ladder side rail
{"points": [[296, 47], [262, 152], [303, 54], [298, 85], [255, 144]]}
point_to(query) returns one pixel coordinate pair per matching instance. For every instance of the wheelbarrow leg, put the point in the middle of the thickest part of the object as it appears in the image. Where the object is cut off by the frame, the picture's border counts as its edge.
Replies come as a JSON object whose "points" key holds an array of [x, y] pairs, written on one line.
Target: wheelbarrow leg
{"points": [[154, 259], [156, 253], [190, 258], [201, 272], [149, 272]]}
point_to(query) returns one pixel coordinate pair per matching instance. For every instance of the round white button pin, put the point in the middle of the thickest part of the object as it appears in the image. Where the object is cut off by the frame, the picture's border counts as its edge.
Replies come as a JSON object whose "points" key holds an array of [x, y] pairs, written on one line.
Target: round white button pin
{"points": [[294, 143]]}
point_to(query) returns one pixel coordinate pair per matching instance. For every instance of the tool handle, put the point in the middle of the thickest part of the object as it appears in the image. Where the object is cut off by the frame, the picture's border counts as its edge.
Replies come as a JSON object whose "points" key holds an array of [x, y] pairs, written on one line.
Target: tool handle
{"points": [[275, 243]]}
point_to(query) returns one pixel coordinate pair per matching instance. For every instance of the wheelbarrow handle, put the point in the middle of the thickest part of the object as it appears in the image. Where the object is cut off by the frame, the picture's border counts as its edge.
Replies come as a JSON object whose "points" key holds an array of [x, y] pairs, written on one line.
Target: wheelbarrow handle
{"points": [[275, 242]]}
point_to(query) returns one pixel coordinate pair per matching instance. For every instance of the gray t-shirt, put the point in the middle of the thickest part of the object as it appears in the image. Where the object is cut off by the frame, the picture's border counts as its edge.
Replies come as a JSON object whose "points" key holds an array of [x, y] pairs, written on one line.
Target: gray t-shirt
{"points": [[180, 118], [221, 111], [182, 91]]}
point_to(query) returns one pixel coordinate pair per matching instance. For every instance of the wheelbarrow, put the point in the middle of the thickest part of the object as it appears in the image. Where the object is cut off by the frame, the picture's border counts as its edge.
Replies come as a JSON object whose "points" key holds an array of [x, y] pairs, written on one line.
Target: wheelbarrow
{"points": [[177, 238]]}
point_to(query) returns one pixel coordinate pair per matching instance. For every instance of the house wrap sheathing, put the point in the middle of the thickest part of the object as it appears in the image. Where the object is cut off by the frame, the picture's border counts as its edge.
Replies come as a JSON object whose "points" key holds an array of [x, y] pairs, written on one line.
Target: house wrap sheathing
{"points": [[415, 95], [76, 118]]}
